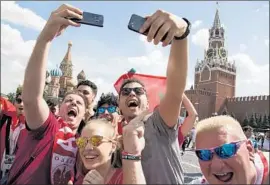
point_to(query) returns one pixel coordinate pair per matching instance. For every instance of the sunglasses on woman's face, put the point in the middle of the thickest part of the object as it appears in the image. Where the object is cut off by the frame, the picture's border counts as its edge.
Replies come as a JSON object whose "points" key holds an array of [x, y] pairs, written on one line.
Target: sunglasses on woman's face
{"points": [[111, 109], [138, 91], [225, 151], [94, 140]]}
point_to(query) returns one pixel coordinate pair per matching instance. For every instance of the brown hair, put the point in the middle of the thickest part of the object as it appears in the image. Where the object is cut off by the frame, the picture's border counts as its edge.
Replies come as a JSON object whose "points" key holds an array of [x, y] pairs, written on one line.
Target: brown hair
{"points": [[116, 160], [76, 92]]}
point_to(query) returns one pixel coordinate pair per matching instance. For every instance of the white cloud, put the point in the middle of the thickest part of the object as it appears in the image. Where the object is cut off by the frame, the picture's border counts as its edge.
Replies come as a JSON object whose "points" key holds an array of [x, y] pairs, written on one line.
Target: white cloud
{"points": [[196, 24], [255, 37], [263, 9], [266, 42], [266, 5], [243, 47], [200, 38], [252, 78], [12, 12], [15, 53]]}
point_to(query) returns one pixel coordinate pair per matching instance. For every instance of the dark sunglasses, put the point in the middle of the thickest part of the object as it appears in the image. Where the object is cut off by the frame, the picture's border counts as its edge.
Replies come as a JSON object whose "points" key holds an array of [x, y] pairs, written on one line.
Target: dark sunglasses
{"points": [[111, 109], [138, 91], [225, 151], [18, 100]]}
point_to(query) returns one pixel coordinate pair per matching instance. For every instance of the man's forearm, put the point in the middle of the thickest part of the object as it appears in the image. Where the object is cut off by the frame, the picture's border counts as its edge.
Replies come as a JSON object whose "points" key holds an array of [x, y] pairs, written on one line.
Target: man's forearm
{"points": [[132, 172], [189, 107], [177, 68], [35, 73]]}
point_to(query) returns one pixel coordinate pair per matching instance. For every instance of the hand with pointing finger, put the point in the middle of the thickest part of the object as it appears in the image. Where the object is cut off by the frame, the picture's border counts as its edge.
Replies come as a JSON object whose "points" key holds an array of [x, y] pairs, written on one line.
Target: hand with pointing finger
{"points": [[162, 23], [58, 22], [133, 134]]}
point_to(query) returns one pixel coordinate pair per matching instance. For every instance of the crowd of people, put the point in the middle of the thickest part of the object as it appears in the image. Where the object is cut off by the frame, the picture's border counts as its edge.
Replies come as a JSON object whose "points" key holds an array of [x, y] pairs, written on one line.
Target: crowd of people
{"points": [[121, 141]]}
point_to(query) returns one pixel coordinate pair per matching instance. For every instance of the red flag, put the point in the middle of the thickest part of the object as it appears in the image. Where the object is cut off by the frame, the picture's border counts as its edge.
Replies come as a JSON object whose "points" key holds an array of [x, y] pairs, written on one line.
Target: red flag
{"points": [[155, 86], [6, 106], [9, 109]]}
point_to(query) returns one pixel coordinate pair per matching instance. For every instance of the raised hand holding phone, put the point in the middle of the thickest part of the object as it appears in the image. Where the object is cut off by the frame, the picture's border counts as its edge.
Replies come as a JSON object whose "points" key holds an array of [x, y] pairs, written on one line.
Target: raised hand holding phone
{"points": [[160, 26], [90, 19], [57, 22]]}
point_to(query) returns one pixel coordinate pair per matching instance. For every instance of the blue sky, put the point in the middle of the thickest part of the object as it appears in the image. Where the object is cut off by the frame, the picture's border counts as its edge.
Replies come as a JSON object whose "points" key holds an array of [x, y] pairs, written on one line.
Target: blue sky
{"points": [[106, 53]]}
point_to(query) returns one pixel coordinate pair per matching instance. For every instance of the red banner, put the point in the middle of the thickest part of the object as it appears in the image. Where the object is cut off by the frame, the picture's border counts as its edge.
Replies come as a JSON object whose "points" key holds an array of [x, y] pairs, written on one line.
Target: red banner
{"points": [[154, 85], [7, 107]]}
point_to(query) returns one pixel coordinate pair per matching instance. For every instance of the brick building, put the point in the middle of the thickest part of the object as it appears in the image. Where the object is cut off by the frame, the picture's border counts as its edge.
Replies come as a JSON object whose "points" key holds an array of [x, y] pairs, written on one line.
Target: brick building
{"points": [[214, 83]]}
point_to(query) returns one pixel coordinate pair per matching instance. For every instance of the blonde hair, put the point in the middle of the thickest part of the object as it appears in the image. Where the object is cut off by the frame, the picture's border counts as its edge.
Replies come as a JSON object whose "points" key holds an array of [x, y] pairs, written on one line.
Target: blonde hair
{"points": [[114, 136], [217, 122]]}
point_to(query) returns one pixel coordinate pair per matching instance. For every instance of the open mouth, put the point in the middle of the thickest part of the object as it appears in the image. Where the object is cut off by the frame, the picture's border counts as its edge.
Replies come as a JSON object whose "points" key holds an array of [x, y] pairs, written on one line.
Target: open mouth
{"points": [[91, 157], [20, 108], [72, 113], [224, 177], [132, 103]]}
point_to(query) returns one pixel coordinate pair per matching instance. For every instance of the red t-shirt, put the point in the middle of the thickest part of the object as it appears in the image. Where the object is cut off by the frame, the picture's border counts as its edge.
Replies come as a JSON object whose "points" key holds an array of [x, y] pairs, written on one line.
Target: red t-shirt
{"points": [[117, 178], [120, 129], [41, 140], [180, 137]]}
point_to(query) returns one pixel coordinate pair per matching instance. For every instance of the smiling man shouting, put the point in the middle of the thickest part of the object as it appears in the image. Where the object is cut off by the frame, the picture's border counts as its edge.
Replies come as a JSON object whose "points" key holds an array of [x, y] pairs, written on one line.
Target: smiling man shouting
{"points": [[160, 157], [226, 155], [48, 155]]}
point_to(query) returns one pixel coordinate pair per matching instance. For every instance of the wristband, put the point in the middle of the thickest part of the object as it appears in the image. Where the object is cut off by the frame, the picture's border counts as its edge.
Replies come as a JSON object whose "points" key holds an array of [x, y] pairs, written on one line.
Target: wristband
{"points": [[186, 32], [128, 156]]}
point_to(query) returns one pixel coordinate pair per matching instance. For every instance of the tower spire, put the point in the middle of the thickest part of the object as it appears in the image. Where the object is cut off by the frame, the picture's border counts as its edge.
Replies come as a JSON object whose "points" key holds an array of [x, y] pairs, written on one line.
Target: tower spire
{"points": [[67, 57], [216, 23], [66, 64]]}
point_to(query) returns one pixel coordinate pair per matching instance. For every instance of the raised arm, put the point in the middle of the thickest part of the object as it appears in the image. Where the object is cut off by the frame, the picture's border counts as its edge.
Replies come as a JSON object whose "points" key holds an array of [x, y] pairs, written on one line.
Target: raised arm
{"points": [[133, 140], [161, 23], [36, 109], [190, 120]]}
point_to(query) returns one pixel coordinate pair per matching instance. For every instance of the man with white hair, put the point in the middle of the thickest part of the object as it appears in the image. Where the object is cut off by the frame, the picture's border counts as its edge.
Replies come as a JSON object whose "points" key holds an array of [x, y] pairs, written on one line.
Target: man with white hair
{"points": [[226, 156]]}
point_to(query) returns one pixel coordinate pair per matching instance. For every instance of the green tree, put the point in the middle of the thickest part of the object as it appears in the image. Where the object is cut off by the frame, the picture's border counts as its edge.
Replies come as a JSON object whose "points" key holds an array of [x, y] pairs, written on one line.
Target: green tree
{"points": [[245, 122], [11, 97], [256, 118], [232, 115], [268, 124], [265, 121], [252, 121], [259, 122], [19, 89]]}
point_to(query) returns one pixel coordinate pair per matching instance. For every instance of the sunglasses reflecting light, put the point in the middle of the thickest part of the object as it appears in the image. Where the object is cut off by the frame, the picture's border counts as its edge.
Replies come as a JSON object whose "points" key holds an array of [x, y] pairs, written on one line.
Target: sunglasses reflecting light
{"points": [[95, 141], [111, 109], [225, 151]]}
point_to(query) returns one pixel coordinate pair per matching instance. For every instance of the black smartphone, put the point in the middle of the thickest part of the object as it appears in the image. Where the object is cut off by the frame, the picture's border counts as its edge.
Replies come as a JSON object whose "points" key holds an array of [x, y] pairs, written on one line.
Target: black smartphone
{"points": [[90, 19], [136, 22]]}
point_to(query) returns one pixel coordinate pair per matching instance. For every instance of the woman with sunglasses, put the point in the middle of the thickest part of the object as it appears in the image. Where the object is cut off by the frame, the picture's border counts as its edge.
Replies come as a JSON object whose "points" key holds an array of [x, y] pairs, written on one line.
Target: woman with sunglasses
{"points": [[98, 157], [226, 156]]}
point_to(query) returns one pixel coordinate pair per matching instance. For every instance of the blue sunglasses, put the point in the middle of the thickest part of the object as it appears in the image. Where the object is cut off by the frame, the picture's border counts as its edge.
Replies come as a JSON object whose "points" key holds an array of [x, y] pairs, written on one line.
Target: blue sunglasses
{"points": [[225, 151], [111, 109]]}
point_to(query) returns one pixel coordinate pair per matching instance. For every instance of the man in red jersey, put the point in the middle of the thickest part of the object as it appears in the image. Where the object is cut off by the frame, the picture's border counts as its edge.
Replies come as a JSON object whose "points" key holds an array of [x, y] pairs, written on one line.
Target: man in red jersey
{"points": [[49, 151]]}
